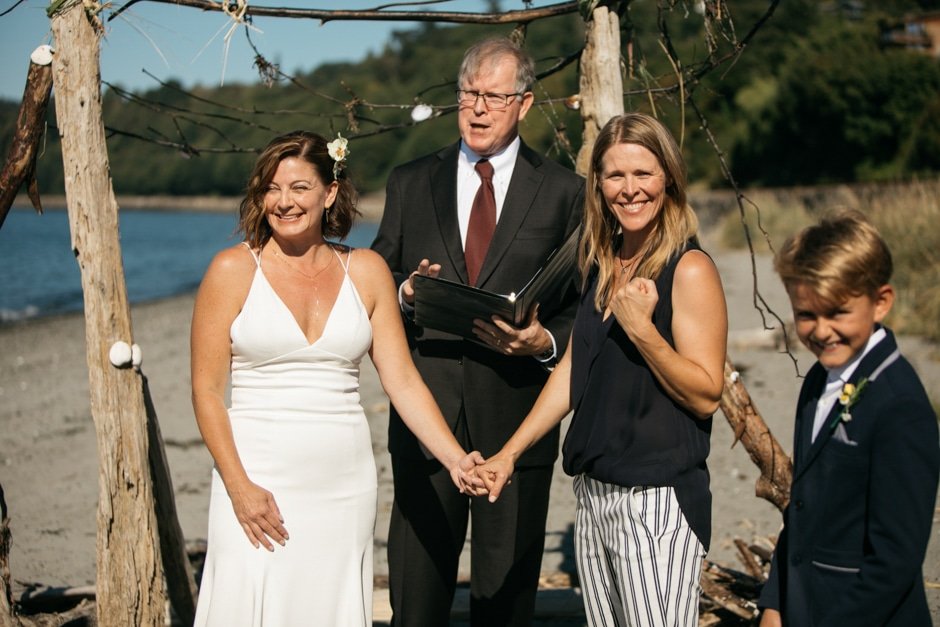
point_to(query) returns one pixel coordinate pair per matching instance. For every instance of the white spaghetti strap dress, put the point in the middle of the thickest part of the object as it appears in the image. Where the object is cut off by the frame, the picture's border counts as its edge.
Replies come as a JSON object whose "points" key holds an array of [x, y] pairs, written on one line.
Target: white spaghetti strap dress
{"points": [[301, 433]]}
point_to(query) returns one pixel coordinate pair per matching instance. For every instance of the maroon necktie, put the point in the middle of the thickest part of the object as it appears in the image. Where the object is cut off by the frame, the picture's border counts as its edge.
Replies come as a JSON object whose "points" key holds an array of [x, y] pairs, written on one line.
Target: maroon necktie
{"points": [[482, 221]]}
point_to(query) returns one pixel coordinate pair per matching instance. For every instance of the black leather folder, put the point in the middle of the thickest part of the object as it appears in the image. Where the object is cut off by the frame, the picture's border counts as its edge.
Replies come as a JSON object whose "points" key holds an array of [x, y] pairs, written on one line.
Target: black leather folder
{"points": [[452, 307]]}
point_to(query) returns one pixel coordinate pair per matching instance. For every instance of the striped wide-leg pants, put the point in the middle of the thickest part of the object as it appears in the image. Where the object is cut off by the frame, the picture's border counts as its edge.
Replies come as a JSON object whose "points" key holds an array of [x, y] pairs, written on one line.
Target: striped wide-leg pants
{"points": [[638, 559]]}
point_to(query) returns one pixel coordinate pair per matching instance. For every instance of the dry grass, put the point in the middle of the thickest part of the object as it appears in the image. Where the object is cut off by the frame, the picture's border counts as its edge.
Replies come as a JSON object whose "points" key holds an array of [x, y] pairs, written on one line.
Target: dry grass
{"points": [[908, 217]]}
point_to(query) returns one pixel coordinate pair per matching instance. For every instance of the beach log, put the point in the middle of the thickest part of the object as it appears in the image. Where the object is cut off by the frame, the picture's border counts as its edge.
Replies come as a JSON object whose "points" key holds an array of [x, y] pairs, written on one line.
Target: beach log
{"points": [[130, 589], [20, 165], [6, 594], [776, 468], [601, 80], [749, 559], [718, 587]]}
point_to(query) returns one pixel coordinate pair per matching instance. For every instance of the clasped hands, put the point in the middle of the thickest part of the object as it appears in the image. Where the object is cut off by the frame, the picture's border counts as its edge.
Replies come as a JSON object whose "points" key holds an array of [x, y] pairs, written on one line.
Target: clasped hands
{"points": [[261, 520], [480, 477]]}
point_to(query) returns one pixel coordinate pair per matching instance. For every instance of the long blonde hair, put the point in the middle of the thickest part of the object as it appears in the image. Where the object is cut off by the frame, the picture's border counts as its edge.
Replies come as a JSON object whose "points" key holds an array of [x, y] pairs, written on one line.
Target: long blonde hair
{"points": [[675, 225]]}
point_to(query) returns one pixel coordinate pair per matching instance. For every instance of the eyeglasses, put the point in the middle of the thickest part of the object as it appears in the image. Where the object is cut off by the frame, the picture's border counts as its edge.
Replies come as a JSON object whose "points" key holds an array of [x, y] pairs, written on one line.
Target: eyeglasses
{"points": [[494, 102]]}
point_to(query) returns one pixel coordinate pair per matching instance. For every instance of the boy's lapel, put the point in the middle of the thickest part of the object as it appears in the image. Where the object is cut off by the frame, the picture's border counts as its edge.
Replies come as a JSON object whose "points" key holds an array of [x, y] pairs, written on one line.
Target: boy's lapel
{"points": [[815, 383], [872, 365]]}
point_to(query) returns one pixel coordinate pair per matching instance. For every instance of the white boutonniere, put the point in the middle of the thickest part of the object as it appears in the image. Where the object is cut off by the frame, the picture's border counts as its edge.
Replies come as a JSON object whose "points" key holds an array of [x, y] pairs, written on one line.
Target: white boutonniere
{"points": [[339, 151], [847, 398]]}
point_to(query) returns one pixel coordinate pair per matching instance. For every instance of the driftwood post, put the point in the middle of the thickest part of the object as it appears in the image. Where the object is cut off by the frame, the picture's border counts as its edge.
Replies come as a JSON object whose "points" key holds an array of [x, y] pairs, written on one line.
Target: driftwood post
{"points": [[6, 595], [130, 586], [601, 80]]}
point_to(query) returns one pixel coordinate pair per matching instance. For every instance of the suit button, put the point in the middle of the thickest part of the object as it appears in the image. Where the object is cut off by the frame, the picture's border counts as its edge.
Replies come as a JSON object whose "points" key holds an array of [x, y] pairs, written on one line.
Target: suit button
{"points": [[799, 504], [797, 559]]}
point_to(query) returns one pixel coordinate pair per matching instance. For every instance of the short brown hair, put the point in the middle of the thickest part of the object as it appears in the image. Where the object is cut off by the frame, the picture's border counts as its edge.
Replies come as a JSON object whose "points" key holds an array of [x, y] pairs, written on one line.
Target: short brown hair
{"points": [[337, 222], [840, 257]]}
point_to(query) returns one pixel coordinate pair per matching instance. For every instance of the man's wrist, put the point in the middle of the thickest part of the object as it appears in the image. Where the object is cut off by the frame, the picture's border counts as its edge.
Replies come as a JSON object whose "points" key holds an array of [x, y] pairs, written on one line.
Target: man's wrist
{"points": [[407, 308], [546, 355]]}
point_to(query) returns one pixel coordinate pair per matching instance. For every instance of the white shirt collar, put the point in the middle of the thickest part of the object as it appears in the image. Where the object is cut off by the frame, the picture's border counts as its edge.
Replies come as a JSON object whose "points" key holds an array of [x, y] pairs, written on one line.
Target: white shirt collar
{"points": [[506, 158], [837, 377], [844, 372], [468, 181]]}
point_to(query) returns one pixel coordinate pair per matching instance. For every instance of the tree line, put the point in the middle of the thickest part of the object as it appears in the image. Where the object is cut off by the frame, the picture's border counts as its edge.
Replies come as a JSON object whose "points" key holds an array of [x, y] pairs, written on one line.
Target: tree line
{"points": [[816, 98]]}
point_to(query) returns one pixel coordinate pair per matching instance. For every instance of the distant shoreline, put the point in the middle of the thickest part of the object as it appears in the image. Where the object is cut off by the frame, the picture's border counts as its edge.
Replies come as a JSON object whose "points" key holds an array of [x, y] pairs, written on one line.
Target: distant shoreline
{"points": [[371, 205], [709, 204]]}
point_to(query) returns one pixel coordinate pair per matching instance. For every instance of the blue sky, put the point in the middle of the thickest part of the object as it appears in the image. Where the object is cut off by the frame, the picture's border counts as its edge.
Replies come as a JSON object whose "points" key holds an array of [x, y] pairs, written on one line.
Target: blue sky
{"points": [[187, 44]]}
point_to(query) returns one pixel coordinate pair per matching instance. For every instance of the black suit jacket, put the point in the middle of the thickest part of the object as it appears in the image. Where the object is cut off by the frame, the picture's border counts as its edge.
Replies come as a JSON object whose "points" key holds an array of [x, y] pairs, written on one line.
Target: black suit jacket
{"points": [[861, 503], [543, 206]]}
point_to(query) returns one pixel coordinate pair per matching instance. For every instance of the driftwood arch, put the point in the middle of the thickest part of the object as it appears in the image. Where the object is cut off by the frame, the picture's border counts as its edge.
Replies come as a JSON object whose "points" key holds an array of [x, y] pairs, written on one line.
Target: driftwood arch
{"points": [[140, 556]]}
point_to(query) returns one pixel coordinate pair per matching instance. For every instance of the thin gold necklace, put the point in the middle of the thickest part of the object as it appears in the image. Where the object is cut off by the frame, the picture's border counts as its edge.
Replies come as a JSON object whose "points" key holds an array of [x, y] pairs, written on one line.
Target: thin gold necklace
{"points": [[299, 271], [316, 284], [628, 265]]}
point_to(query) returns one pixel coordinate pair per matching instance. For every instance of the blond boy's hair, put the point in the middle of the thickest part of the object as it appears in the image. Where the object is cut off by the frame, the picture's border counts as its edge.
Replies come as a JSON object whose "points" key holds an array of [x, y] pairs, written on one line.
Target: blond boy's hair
{"points": [[842, 256]]}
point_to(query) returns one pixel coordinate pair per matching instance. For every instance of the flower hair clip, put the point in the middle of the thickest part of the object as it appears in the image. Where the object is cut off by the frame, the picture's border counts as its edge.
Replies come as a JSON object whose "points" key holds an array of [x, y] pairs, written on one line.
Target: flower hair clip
{"points": [[339, 150], [848, 397]]}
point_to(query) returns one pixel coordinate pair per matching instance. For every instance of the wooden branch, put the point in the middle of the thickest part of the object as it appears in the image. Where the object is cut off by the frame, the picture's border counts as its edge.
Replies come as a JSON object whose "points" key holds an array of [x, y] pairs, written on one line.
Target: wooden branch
{"points": [[130, 585], [724, 598], [181, 585], [601, 80], [6, 595], [8, 614], [81, 614], [718, 584], [765, 451], [20, 166], [749, 560], [765, 553], [451, 17], [46, 606]]}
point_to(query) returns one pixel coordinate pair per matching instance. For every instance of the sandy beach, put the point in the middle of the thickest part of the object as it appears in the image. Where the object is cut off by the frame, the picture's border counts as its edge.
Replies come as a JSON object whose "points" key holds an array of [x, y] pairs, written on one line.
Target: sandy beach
{"points": [[48, 460]]}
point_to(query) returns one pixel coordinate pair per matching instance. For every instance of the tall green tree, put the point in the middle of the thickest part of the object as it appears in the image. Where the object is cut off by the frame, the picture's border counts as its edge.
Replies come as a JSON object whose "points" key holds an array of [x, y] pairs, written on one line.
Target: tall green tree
{"points": [[843, 109]]}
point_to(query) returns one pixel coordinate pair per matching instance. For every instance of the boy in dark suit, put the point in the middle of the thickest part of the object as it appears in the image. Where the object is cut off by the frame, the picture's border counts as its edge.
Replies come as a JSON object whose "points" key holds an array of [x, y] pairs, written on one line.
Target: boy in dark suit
{"points": [[866, 453]]}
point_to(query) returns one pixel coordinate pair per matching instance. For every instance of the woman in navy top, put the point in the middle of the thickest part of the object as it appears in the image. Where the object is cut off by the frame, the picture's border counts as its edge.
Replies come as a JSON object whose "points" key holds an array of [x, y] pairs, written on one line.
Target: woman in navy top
{"points": [[643, 374]]}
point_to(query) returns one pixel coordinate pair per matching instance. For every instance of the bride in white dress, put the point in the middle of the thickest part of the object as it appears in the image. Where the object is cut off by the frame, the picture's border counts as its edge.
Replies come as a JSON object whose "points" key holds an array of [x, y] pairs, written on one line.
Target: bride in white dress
{"points": [[290, 316]]}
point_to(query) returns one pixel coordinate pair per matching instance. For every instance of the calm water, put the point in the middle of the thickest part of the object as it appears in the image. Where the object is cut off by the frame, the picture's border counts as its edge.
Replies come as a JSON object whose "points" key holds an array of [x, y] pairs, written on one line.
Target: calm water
{"points": [[165, 253]]}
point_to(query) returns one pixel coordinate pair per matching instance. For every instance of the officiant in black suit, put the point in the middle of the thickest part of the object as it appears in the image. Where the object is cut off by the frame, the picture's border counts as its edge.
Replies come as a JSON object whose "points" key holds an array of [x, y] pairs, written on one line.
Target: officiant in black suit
{"points": [[485, 211]]}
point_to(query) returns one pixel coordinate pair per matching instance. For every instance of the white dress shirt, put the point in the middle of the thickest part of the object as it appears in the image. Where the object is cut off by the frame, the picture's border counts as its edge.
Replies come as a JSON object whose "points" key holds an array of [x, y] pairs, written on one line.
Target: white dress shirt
{"points": [[837, 377], [468, 181]]}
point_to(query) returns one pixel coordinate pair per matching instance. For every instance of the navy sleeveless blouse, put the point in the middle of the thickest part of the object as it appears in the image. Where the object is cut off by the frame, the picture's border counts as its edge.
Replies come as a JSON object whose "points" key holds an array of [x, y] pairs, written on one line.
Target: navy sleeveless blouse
{"points": [[626, 430]]}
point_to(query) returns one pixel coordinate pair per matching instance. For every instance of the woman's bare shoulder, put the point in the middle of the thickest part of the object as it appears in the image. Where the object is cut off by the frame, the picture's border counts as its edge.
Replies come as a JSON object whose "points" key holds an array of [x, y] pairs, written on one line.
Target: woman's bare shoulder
{"points": [[232, 261], [371, 276], [367, 264], [695, 265], [233, 268]]}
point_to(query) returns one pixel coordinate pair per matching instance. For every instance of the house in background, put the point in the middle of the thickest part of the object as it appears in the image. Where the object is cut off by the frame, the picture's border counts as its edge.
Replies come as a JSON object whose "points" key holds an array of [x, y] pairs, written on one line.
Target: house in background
{"points": [[916, 31]]}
